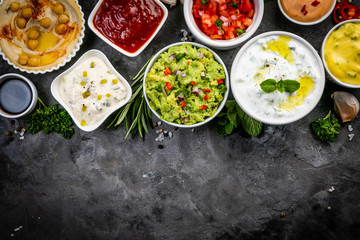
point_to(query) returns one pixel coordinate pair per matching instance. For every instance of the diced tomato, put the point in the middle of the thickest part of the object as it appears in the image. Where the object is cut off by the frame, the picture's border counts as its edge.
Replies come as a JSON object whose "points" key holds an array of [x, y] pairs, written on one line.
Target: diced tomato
{"points": [[167, 71], [220, 81], [193, 83], [188, 63], [203, 107], [206, 97], [207, 90], [183, 104], [168, 86]]}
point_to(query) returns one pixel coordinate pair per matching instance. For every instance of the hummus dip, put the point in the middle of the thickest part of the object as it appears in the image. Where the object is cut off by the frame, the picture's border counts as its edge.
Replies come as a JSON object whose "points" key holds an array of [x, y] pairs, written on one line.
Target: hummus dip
{"points": [[39, 34]]}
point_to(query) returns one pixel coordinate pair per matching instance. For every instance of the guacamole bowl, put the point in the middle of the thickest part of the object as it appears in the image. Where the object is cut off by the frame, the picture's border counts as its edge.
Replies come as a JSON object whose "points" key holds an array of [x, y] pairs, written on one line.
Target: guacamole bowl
{"points": [[186, 85]]}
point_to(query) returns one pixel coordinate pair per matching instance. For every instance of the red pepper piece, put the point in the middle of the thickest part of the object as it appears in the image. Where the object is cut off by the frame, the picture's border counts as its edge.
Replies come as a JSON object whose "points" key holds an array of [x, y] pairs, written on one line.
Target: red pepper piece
{"points": [[315, 3], [188, 63], [206, 97], [167, 71], [219, 81], [203, 107], [303, 10], [169, 86], [193, 83], [207, 90], [183, 104]]}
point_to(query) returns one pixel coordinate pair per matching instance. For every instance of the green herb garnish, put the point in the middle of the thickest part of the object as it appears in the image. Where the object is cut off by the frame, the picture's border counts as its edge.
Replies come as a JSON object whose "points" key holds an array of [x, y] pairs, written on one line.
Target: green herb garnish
{"points": [[180, 56], [219, 23], [204, 2], [327, 128], [234, 4], [50, 119], [270, 85], [136, 110], [232, 116], [240, 31]]}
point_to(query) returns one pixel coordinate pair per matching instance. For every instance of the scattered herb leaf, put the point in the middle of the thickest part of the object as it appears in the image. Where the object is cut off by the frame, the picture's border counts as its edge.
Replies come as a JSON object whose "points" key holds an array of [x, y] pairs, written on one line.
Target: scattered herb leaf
{"points": [[232, 116], [219, 23], [240, 31], [204, 2], [234, 4], [50, 119], [326, 128]]}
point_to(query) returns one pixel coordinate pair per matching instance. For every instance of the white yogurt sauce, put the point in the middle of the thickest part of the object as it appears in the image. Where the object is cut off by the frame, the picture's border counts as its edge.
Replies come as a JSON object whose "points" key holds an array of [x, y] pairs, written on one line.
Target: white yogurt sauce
{"points": [[258, 63], [91, 90]]}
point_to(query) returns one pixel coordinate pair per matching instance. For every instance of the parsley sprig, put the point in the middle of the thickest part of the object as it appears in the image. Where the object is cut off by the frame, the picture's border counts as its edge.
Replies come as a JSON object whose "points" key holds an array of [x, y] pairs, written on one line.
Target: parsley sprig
{"points": [[326, 128], [50, 119], [219, 23]]}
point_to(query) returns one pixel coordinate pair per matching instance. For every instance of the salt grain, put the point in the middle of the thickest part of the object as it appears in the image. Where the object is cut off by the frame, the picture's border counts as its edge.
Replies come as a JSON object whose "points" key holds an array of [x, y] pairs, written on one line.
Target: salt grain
{"points": [[331, 189], [351, 136], [22, 138], [159, 123], [350, 128], [170, 134]]}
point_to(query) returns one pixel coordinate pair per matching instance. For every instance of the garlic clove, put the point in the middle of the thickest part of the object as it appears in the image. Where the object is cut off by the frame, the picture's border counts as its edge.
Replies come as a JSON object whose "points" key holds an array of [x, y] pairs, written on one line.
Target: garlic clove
{"points": [[346, 105]]}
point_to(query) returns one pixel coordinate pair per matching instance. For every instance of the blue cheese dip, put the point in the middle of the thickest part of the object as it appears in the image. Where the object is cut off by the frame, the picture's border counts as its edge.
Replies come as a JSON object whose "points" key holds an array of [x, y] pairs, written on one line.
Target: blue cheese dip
{"points": [[91, 90], [281, 58]]}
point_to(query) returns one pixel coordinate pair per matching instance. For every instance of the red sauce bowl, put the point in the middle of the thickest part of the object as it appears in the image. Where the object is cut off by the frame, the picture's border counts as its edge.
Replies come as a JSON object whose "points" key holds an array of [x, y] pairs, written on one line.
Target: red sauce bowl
{"points": [[127, 25]]}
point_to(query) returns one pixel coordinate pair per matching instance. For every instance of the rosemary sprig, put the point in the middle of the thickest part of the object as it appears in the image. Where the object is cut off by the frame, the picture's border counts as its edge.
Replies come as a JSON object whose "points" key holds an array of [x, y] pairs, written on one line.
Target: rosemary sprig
{"points": [[136, 113]]}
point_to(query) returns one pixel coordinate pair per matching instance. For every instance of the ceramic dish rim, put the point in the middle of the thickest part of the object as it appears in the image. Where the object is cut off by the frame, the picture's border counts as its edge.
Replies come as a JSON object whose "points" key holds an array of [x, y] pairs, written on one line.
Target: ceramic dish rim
{"points": [[117, 48], [321, 79], [221, 105], [66, 60], [56, 94]]}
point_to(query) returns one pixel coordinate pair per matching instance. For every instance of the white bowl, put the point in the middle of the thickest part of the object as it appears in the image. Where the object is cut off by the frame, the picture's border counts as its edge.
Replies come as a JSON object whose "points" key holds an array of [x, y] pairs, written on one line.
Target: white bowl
{"points": [[223, 44], [56, 94], [307, 23], [34, 96], [332, 77], [226, 82], [116, 47], [66, 60], [245, 90]]}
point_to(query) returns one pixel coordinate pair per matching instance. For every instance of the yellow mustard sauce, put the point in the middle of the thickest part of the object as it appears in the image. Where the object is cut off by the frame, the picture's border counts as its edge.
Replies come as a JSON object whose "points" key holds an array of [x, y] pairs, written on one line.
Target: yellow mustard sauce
{"points": [[307, 85], [342, 53]]}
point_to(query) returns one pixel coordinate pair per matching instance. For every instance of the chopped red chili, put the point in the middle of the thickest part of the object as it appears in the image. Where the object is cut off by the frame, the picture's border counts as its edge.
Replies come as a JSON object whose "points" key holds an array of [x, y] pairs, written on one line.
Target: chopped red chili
{"points": [[219, 81], [167, 71], [207, 90], [193, 83], [188, 63], [183, 104], [169, 86], [206, 97], [315, 3], [344, 11], [303, 10]]}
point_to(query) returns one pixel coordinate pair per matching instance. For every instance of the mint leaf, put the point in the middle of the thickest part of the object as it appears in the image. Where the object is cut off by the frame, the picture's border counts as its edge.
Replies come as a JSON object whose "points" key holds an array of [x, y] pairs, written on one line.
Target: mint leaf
{"points": [[250, 125], [291, 86], [280, 86], [223, 121], [229, 128], [268, 85], [232, 114], [220, 130]]}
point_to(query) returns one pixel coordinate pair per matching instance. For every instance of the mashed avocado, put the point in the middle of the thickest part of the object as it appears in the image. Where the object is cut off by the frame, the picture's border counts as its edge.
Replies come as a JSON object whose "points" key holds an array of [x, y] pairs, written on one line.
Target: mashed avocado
{"points": [[185, 85]]}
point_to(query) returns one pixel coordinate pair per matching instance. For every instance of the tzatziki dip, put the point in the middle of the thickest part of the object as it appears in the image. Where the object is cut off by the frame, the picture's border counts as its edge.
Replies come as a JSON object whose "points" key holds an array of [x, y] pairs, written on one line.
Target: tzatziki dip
{"points": [[278, 57], [91, 91]]}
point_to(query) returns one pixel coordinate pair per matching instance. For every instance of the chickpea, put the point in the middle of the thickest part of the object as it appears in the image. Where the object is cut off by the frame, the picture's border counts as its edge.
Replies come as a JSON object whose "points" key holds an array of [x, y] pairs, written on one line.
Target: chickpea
{"points": [[61, 28], [27, 12], [63, 18], [15, 6], [21, 22], [34, 34], [58, 9], [45, 22], [34, 61], [23, 59], [32, 44]]}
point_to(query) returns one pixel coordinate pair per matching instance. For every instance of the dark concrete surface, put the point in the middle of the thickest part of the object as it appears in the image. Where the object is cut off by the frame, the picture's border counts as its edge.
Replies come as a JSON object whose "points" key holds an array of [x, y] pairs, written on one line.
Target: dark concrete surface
{"points": [[199, 186]]}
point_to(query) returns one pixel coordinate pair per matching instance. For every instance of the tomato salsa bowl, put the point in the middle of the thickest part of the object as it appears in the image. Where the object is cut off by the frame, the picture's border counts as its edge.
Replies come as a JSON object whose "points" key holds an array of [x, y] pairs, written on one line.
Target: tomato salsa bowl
{"points": [[223, 24], [127, 25]]}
